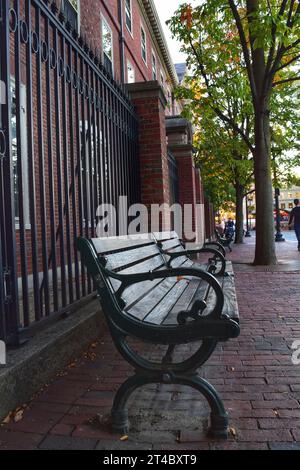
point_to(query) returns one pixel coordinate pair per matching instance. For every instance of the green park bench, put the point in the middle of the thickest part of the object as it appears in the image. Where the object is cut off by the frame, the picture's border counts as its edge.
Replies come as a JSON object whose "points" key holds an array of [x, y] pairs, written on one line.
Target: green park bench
{"points": [[152, 290]]}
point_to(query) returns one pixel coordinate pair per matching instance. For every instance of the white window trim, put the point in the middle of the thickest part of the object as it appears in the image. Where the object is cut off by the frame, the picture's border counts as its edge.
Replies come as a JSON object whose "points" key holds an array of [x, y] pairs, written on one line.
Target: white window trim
{"points": [[130, 64], [103, 19], [131, 15], [144, 29], [153, 55]]}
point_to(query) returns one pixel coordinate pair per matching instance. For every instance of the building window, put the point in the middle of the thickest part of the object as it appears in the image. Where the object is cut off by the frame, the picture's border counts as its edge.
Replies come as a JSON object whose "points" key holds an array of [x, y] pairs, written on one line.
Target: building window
{"points": [[130, 73], [162, 80], [291, 205], [128, 15], [107, 46], [290, 196], [283, 206], [144, 45], [71, 12], [154, 76]]}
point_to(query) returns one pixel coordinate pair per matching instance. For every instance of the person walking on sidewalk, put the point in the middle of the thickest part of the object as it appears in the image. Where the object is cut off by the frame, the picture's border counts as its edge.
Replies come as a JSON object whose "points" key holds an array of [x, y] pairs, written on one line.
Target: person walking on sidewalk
{"points": [[295, 217]]}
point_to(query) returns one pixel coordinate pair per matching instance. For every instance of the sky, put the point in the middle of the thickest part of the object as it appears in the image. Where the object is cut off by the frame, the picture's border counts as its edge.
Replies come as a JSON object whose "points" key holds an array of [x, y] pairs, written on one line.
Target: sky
{"points": [[165, 9]]}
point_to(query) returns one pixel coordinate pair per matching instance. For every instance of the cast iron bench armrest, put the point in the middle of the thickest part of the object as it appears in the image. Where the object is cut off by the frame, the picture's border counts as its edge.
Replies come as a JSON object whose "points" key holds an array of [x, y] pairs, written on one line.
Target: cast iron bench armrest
{"points": [[217, 255], [129, 279], [224, 241], [218, 246]]}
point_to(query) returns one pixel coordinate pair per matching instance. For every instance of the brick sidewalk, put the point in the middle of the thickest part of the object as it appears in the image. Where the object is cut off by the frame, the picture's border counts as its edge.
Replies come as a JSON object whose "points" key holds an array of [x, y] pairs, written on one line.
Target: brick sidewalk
{"points": [[254, 373]]}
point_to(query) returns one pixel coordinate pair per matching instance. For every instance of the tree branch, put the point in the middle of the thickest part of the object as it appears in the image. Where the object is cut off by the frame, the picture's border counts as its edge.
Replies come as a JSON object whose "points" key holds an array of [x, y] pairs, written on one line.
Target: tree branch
{"points": [[283, 7], [252, 190], [234, 126], [272, 48], [244, 47], [289, 21], [287, 80], [215, 108], [291, 46], [281, 49], [287, 63]]}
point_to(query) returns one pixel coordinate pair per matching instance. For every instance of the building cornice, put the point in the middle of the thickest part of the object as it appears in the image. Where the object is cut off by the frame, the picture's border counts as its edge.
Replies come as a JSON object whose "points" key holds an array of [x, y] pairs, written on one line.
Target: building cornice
{"points": [[151, 12]]}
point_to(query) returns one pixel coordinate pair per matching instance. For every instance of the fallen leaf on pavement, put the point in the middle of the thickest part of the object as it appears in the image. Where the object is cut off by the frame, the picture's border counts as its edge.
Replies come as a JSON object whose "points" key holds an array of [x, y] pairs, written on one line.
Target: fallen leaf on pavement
{"points": [[7, 419], [18, 416]]}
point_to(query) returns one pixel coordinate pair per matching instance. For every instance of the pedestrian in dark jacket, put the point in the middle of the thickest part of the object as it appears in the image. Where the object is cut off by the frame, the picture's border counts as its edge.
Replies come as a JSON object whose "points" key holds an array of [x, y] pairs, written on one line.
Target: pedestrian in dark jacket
{"points": [[295, 218]]}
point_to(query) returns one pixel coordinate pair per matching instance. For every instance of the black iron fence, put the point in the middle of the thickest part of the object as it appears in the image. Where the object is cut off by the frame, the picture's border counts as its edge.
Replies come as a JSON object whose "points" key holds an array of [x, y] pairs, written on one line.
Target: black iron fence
{"points": [[68, 142]]}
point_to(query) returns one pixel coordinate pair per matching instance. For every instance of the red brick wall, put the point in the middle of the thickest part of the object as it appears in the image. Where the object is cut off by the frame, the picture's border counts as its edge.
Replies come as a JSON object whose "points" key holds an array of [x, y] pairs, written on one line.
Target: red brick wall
{"points": [[90, 26], [152, 145]]}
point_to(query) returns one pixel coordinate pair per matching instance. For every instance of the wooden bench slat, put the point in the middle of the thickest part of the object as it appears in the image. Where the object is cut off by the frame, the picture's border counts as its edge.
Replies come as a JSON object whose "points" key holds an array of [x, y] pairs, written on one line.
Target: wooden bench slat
{"points": [[170, 245], [160, 236], [210, 300], [230, 300], [152, 298], [182, 262], [183, 302], [134, 294], [149, 265], [132, 257], [111, 244], [150, 301], [145, 288], [160, 312]]}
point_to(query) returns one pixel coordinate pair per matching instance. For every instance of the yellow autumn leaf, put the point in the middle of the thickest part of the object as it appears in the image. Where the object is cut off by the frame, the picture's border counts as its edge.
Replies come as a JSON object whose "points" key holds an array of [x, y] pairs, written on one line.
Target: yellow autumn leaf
{"points": [[7, 419], [18, 416]]}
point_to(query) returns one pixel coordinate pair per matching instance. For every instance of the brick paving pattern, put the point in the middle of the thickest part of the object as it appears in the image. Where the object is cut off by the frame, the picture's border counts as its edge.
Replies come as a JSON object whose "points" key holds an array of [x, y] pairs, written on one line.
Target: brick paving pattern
{"points": [[254, 374]]}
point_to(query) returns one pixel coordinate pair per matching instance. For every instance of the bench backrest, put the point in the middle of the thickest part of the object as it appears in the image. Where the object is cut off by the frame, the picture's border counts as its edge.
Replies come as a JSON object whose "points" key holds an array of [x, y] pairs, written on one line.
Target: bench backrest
{"points": [[134, 253], [137, 254]]}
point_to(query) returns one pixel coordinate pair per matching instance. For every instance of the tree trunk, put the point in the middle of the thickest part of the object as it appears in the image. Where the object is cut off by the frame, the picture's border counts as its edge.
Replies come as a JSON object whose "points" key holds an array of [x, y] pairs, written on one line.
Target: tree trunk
{"points": [[265, 231], [239, 225], [265, 240]]}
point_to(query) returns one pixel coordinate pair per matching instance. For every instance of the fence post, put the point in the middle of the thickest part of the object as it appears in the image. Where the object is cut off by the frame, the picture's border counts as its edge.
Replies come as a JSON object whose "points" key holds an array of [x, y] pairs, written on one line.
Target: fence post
{"points": [[150, 104], [8, 277], [180, 143]]}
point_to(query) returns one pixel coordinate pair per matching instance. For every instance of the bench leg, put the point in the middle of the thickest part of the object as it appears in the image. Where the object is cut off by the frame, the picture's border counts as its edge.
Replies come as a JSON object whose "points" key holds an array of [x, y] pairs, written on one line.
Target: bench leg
{"points": [[219, 417], [181, 374], [119, 412]]}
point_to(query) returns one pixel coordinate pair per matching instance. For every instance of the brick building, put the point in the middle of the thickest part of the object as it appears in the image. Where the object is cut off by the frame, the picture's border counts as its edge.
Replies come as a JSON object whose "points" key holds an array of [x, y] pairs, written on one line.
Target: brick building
{"points": [[91, 118], [128, 36]]}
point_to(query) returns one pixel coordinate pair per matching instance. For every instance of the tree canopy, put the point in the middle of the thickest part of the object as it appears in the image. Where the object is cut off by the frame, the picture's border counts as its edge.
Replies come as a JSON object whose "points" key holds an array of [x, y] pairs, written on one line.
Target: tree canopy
{"points": [[252, 49]]}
